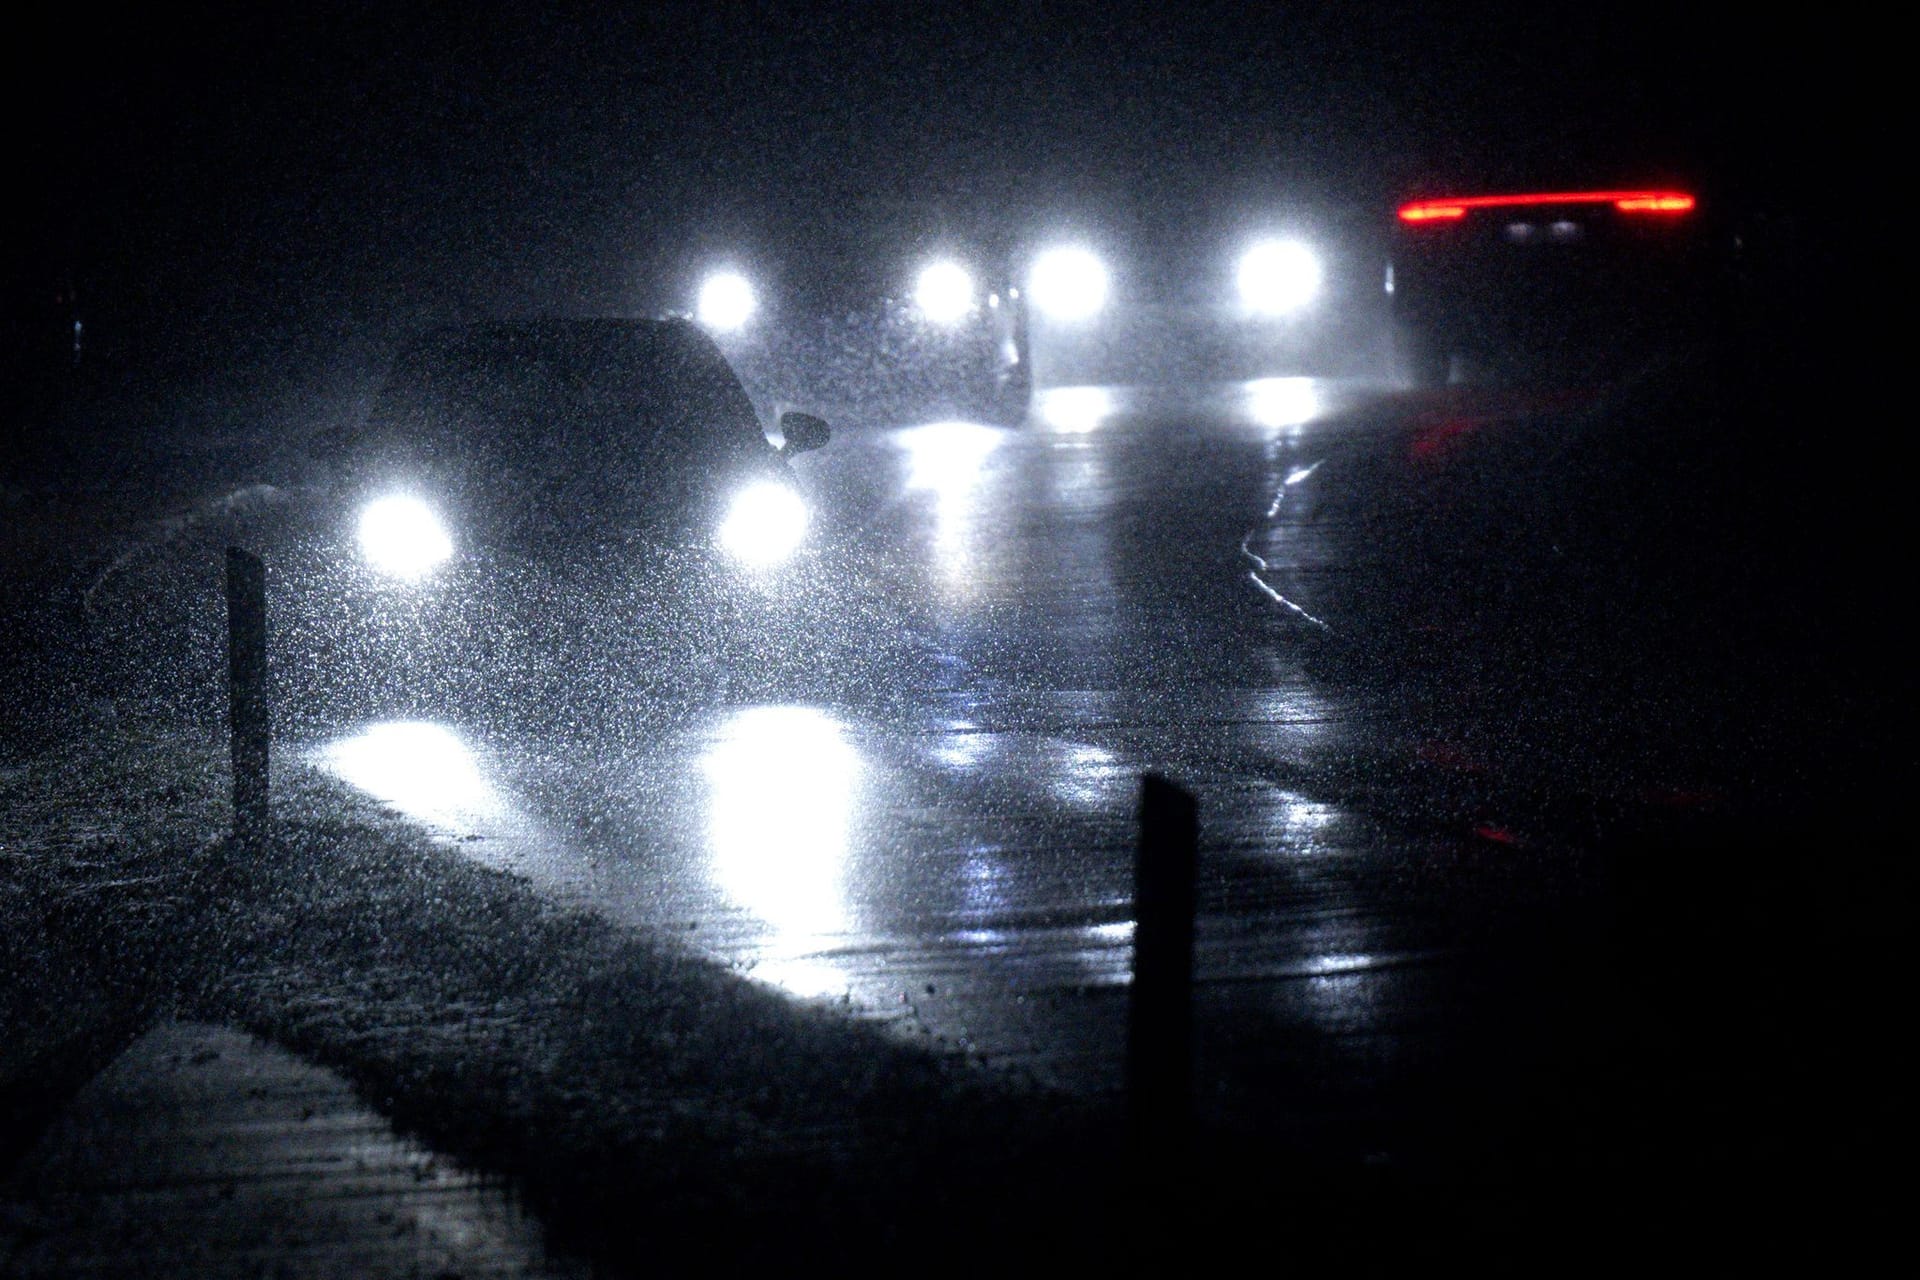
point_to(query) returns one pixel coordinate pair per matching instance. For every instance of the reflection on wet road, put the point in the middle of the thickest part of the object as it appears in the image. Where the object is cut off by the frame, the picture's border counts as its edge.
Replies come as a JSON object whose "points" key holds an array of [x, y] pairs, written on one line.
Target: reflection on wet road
{"points": [[954, 858], [420, 768], [782, 784]]}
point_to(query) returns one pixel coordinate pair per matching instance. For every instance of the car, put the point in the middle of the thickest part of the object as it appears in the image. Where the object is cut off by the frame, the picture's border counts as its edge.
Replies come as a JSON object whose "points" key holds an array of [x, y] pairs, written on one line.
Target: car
{"points": [[497, 420], [535, 517], [889, 325], [1206, 300], [542, 507], [1545, 284]]}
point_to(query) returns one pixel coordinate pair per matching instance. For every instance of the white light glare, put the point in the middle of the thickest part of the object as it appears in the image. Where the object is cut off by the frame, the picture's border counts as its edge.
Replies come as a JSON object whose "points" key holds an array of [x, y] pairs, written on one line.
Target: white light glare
{"points": [[944, 292], [420, 768], [764, 524], [1075, 410], [400, 536], [1069, 284], [1278, 276], [726, 302], [1283, 402], [782, 783]]}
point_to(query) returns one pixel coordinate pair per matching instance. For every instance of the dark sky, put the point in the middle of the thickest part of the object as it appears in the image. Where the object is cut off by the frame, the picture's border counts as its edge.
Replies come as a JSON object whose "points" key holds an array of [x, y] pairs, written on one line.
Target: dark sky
{"points": [[373, 163]]}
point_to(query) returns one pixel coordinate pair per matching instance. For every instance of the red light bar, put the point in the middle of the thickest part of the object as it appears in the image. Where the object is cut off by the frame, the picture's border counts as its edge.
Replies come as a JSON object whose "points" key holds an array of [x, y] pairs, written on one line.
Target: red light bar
{"points": [[1455, 207], [1432, 212], [1668, 202]]}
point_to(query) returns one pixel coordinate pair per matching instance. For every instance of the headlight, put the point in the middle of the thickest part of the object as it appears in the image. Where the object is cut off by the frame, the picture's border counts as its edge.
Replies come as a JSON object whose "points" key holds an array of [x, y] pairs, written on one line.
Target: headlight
{"points": [[764, 523], [1069, 284], [944, 292], [1277, 277], [401, 537], [726, 302]]}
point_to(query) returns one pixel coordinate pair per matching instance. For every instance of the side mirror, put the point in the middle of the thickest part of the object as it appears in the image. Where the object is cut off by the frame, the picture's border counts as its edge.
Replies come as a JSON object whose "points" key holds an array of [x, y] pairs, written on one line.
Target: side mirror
{"points": [[802, 432]]}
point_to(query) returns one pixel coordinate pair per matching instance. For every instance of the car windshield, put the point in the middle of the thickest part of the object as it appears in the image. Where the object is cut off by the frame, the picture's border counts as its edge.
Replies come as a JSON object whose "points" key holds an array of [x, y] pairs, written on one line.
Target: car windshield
{"points": [[579, 423], [585, 395]]}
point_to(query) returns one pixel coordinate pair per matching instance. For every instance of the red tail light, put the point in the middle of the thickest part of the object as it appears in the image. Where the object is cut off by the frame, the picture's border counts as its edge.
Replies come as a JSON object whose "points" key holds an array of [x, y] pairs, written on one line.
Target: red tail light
{"points": [[1665, 202], [1455, 208], [1432, 212]]}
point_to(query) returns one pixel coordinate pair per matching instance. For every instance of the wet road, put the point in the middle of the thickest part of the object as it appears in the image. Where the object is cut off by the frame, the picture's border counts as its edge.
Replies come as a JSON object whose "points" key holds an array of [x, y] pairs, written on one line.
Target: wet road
{"points": [[953, 856]]}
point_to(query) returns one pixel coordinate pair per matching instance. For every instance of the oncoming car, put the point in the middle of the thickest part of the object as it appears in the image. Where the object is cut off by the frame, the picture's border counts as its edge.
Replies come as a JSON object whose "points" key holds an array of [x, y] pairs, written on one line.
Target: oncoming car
{"points": [[551, 507], [567, 431], [1206, 299], [882, 327], [1553, 282]]}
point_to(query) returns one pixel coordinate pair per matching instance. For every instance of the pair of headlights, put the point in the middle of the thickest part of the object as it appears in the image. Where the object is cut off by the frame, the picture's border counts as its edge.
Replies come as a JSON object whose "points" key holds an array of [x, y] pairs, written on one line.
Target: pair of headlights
{"points": [[944, 293], [403, 537], [1067, 283], [1273, 278]]}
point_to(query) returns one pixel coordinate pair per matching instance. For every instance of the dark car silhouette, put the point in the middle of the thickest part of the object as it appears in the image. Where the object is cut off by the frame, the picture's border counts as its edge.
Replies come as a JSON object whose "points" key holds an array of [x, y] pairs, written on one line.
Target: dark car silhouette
{"points": [[538, 518], [1553, 284], [552, 511], [893, 321]]}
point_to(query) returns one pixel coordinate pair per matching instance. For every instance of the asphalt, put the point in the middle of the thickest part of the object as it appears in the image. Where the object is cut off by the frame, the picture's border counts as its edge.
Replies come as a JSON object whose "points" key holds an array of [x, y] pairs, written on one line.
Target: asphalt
{"points": [[955, 860]]}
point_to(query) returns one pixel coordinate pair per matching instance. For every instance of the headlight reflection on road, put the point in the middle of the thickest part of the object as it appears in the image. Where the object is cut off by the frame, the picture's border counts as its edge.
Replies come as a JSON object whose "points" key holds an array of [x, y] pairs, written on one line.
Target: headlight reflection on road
{"points": [[1087, 776], [1075, 410], [1280, 403], [420, 768], [946, 458], [1347, 982], [782, 782]]}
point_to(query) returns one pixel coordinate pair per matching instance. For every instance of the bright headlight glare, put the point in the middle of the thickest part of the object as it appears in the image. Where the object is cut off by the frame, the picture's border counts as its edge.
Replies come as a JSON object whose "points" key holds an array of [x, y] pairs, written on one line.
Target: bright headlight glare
{"points": [[401, 536], [726, 302], [1069, 284], [1278, 276], [764, 524], [944, 292]]}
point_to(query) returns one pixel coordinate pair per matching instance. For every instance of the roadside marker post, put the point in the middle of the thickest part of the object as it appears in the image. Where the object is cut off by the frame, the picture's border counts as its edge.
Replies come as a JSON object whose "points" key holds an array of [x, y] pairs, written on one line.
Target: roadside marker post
{"points": [[1160, 1004], [247, 692]]}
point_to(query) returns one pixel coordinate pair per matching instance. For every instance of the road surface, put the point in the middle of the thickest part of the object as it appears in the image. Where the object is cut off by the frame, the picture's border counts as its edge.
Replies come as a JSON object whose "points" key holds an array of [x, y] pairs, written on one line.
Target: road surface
{"points": [[953, 855]]}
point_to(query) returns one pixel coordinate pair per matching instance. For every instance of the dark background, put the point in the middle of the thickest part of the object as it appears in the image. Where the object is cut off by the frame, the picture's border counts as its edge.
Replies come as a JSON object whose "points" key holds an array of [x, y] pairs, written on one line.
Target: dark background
{"points": [[233, 192]]}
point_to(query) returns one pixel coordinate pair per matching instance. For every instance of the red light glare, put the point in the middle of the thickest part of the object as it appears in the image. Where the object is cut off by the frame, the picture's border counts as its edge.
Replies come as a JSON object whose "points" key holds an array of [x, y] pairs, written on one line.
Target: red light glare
{"points": [[1433, 441], [1670, 202], [1453, 208], [1431, 212]]}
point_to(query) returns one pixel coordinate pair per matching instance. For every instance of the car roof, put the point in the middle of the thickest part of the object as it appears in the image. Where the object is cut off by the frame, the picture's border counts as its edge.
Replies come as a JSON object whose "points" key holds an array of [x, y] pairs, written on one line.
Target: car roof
{"points": [[546, 366], [668, 348], [559, 392]]}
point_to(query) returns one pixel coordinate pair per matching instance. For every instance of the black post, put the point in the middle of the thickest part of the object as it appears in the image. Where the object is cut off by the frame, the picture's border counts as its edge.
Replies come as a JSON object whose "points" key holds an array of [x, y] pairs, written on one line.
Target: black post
{"points": [[247, 691], [1160, 1012]]}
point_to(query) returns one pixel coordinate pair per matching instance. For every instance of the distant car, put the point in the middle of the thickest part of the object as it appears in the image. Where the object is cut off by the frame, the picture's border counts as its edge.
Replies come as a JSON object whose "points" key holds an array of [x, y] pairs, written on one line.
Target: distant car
{"points": [[549, 503], [1551, 282], [877, 326], [1180, 303]]}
